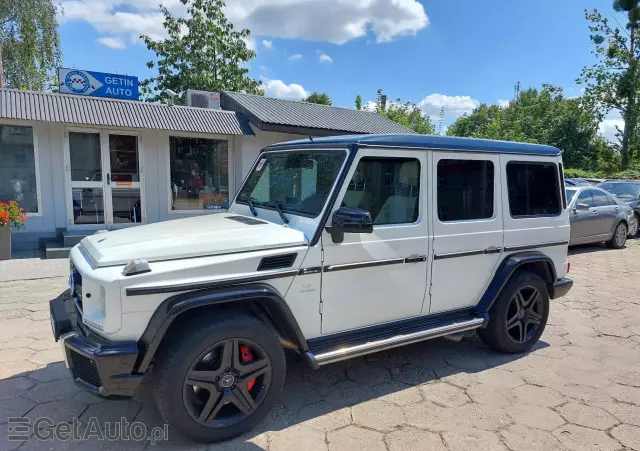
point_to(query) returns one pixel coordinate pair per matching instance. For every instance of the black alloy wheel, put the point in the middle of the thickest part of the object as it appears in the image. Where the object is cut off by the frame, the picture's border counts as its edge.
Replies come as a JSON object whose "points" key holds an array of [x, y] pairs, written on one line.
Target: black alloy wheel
{"points": [[524, 314], [227, 382]]}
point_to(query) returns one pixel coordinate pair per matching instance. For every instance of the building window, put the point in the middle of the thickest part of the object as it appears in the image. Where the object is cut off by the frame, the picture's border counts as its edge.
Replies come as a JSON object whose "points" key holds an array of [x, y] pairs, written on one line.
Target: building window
{"points": [[465, 190], [199, 171], [18, 167], [388, 188], [534, 189]]}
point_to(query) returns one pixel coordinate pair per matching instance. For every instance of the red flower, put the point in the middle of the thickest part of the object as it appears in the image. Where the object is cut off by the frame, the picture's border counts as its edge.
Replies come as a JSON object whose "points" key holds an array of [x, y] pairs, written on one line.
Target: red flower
{"points": [[4, 217], [23, 218]]}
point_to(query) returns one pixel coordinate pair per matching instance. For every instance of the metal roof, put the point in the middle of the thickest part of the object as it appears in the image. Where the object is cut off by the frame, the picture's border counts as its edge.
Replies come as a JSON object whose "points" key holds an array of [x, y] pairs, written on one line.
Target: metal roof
{"points": [[70, 109], [287, 116], [423, 142]]}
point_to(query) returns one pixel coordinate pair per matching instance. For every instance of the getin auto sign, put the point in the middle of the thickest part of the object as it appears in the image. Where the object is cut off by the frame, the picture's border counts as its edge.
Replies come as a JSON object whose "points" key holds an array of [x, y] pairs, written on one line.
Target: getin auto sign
{"points": [[97, 84]]}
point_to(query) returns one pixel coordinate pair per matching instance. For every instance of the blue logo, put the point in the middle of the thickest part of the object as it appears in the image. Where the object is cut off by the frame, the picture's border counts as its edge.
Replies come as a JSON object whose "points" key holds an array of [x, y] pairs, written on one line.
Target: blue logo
{"points": [[77, 82]]}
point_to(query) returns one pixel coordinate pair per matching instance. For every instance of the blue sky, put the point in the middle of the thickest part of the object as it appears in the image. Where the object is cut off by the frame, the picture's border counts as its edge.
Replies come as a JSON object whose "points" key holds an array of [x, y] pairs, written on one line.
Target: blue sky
{"points": [[433, 53]]}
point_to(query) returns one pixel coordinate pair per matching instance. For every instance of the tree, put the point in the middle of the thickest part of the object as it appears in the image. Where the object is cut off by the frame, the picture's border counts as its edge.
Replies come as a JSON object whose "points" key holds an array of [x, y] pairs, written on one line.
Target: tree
{"points": [[202, 51], [29, 43], [319, 98], [406, 114], [358, 102], [613, 82], [543, 117]]}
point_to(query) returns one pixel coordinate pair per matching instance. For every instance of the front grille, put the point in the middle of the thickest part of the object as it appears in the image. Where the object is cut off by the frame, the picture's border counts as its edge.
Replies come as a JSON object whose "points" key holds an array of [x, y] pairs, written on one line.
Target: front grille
{"points": [[85, 369]]}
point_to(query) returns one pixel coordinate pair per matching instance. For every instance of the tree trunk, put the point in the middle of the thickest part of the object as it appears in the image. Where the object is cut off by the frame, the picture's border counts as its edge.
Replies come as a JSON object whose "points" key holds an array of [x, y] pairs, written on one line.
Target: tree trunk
{"points": [[630, 115]]}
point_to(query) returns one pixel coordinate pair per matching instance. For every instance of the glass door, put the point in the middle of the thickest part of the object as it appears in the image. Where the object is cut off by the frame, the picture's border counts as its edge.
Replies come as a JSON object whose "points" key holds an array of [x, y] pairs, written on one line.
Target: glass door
{"points": [[87, 207], [123, 181], [104, 179]]}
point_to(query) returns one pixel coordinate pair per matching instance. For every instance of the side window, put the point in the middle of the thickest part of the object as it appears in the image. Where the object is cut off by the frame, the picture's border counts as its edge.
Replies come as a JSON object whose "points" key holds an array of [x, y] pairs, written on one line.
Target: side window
{"points": [[465, 190], [602, 199], [388, 188], [534, 189], [585, 198]]}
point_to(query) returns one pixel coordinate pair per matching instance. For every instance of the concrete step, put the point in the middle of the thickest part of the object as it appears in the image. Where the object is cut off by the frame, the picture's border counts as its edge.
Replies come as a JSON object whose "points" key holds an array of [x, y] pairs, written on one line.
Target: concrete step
{"points": [[56, 249], [70, 239]]}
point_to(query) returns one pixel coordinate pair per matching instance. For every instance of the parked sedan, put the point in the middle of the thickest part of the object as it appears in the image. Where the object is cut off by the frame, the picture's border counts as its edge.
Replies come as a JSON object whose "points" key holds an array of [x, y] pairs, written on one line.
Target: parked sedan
{"points": [[596, 216], [627, 191]]}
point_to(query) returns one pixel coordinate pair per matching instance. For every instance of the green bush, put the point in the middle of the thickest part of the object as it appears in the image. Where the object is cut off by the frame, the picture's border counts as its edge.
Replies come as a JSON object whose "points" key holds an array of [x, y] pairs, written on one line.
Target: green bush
{"points": [[581, 173]]}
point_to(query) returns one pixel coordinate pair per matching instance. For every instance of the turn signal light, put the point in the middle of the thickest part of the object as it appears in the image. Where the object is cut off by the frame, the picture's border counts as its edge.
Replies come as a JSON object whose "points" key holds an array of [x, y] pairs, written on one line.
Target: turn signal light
{"points": [[568, 266]]}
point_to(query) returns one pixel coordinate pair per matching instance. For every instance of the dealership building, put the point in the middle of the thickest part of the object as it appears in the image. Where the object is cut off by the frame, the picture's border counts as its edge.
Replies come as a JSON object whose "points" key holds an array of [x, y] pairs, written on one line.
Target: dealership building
{"points": [[78, 164]]}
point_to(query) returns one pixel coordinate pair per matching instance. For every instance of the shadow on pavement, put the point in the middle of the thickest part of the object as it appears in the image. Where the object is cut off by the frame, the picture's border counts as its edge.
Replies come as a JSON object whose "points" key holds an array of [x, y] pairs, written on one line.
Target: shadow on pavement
{"points": [[318, 399]]}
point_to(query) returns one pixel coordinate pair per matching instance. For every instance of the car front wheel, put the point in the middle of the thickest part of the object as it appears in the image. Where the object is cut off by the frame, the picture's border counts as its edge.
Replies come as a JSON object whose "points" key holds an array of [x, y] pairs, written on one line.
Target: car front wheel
{"points": [[219, 377]]}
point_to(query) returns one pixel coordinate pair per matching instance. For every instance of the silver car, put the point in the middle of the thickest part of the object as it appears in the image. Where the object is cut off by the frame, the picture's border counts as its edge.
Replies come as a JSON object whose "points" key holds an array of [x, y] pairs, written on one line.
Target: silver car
{"points": [[596, 216]]}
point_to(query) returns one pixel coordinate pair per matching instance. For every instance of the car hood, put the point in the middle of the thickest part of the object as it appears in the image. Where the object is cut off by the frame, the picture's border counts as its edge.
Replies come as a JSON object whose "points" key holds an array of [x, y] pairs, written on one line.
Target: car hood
{"points": [[197, 236]]}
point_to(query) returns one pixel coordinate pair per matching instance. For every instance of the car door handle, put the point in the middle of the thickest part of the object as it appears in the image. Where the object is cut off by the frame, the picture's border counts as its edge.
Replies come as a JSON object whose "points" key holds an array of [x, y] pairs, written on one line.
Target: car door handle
{"points": [[492, 250], [595, 212]]}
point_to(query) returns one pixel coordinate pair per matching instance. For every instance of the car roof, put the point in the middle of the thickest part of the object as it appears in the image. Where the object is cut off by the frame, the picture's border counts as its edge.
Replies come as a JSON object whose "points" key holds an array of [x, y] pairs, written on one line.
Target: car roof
{"points": [[426, 142], [622, 181]]}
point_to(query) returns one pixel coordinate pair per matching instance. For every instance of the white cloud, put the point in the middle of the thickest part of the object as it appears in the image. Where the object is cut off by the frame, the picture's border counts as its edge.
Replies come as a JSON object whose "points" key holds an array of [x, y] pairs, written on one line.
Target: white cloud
{"points": [[503, 103], [281, 90], [267, 44], [453, 105], [324, 58], [112, 42], [608, 128], [296, 57], [335, 21]]}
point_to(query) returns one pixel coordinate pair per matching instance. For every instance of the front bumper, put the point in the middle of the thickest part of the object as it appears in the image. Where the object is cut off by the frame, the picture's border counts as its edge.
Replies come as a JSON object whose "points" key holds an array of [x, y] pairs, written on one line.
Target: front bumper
{"points": [[559, 288], [103, 368]]}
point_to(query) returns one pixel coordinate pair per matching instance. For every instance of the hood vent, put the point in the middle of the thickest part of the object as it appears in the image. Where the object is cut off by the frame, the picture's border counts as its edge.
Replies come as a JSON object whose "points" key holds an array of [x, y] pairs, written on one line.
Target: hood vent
{"points": [[245, 220], [277, 262]]}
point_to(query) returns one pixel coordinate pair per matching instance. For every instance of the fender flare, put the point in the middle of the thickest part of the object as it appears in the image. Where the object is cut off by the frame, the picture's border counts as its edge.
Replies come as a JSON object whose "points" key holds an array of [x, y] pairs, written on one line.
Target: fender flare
{"points": [[174, 306], [507, 267]]}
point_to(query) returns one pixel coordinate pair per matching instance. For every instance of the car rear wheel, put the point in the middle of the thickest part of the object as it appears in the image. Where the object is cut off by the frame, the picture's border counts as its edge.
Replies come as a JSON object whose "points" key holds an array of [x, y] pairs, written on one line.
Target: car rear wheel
{"points": [[519, 314], [633, 226], [220, 377], [619, 238]]}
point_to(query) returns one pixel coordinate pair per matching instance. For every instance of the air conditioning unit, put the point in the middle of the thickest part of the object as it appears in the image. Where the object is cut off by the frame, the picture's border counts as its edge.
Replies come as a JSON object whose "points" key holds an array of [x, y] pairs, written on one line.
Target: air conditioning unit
{"points": [[203, 99]]}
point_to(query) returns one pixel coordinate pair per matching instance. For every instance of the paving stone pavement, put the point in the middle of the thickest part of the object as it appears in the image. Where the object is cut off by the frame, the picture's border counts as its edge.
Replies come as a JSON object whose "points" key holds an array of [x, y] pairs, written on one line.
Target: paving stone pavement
{"points": [[579, 389]]}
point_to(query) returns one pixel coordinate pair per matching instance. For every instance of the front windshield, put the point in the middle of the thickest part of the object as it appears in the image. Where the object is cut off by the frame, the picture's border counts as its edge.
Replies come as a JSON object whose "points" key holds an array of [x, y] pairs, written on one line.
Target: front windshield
{"points": [[622, 190], [298, 182], [570, 194]]}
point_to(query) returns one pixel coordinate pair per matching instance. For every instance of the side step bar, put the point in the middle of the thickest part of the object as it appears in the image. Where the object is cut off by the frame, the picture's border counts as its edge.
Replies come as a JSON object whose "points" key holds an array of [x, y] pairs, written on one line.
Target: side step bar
{"points": [[342, 353]]}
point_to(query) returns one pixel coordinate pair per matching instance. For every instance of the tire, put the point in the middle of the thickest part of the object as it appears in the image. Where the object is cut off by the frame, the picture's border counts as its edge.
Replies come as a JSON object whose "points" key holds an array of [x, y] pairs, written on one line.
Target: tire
{"points": [[502, 332], [619, 238], [632, 233], [199, 351]]}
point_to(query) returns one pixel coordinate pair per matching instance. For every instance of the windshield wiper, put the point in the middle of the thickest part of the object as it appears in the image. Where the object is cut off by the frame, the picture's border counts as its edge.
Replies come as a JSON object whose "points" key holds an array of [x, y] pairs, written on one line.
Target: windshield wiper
{"points": [[251, 206], [276, 205]]}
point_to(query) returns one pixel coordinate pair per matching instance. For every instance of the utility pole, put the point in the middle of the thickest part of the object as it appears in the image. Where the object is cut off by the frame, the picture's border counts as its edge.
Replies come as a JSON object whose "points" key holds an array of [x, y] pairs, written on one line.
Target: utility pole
{"points": [[441, 122], [1, 70]]}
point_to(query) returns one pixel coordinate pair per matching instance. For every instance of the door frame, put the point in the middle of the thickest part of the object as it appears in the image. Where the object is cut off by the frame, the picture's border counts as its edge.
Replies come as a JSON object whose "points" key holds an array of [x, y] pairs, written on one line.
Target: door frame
{"points": [[106, 187]]}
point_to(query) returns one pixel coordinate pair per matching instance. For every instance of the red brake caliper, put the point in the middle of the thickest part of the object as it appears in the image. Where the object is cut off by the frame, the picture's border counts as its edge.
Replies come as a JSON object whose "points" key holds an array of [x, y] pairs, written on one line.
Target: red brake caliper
{"points": [[247, 356]]}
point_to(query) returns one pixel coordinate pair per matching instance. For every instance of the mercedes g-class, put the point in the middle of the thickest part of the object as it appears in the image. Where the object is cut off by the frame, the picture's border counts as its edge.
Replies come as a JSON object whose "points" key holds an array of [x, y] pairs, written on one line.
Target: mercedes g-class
{"points": [[334, 248]]}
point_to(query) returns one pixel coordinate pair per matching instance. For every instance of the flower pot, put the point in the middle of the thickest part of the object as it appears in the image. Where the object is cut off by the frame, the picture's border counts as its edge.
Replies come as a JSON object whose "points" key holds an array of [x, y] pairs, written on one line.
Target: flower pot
{"points": [[5, 243]]}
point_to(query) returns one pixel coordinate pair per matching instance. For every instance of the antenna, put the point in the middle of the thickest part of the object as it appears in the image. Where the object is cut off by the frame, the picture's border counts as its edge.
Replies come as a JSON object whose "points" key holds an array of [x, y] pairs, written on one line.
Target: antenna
{"points": [[310, 137], [516, 91], [441, 122]]}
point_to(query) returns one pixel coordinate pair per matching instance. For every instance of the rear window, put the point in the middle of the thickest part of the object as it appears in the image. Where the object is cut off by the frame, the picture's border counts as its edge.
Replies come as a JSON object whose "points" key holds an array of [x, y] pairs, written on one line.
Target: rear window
{"points": [[534, 189]]}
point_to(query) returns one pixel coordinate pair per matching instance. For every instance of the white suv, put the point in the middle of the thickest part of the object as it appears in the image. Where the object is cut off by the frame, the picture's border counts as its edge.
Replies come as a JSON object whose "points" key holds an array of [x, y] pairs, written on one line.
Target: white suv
{"points": [[333, 247]]}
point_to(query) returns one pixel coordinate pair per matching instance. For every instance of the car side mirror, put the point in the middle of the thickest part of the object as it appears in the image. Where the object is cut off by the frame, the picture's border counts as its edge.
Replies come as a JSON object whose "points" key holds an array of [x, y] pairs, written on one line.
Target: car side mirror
{"points": [[349, 220], [581, 207]]}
